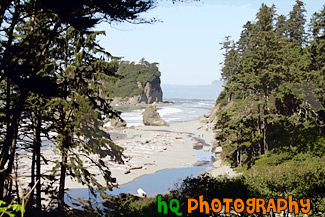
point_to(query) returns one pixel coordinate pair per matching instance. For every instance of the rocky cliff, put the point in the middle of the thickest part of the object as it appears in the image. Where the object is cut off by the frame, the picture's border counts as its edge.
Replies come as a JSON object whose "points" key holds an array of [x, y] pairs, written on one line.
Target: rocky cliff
{"points": [[140, 83], [152, 92]]}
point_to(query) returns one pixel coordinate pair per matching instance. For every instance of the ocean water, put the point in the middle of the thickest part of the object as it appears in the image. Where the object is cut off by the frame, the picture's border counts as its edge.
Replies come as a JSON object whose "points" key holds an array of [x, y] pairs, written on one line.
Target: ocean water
{"points": [[189, 92], [188, 102]]}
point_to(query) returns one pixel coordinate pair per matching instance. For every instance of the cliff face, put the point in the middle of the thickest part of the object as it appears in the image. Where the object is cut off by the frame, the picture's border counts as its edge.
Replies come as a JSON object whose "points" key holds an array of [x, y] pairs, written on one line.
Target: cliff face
{"points": [[152, 92]]}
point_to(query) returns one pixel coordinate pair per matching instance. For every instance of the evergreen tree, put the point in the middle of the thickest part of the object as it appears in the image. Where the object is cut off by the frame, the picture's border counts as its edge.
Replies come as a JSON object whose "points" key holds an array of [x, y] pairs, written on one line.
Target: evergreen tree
{"points": [[295, 24], [82, 73], [289, 95], [316, 75], [259, 66], [230, 67], [278, 88], [31, 51]]}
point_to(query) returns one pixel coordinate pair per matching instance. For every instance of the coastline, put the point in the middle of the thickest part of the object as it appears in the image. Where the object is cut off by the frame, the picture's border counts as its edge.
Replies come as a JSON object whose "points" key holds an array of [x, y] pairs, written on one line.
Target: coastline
{"points": [[151, 149], [148, 149], [154, 148]]}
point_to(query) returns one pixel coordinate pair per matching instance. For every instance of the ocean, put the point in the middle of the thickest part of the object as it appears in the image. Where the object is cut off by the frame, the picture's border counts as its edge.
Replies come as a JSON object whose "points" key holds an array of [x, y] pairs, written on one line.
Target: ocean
{"points": [[188, 102]]}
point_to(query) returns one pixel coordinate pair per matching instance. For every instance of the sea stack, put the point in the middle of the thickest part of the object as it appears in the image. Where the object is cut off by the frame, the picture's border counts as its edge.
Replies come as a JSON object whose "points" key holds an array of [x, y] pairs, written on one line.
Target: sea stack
{"points": [[151, 117]]}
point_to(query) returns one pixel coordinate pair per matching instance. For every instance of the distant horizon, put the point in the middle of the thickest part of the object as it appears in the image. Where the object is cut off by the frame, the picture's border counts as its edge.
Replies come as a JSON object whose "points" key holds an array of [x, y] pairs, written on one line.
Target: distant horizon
{"points": [[220, 80], [189, 84]]}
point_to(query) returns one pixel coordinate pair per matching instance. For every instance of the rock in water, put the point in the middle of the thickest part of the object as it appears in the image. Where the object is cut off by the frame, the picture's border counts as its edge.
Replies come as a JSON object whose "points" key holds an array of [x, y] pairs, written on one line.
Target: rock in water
{"points": [[141, 193], [152, 118], [118, 122]]}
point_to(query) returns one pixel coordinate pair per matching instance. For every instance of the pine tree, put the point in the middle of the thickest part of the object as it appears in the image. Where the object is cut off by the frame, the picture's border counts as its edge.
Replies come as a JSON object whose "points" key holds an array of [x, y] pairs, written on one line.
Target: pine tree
{"points": [[230, 67], [316, 76], [295, 24], [83, 69], [289, 95], [260, 71]]}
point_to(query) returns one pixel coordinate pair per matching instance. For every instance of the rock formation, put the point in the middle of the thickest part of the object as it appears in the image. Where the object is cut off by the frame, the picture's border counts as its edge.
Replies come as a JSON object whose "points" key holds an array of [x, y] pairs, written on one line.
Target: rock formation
{"points": [[118, 122], [141, 193], [140, 83], [212, 117], [151, 92], [151, 117]]}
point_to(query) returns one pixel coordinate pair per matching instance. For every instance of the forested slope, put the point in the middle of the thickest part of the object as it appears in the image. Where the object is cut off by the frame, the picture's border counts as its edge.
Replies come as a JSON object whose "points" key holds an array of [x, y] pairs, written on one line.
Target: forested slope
{"points": [[275, 78], [272, 110]]}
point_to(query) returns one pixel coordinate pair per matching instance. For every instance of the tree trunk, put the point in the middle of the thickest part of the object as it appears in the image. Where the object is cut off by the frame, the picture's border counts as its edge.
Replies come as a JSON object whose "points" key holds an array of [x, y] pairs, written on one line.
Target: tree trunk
{"points": [[32, 180], [322, 123], [9, 144], [11, 159], [259, 130], [16, 181], [265, 135], [237, 156], [38, 144], [65, 144], [8, 115], [62, 186], [4, 154], [265, 123], [240, 156], [293, 136]]}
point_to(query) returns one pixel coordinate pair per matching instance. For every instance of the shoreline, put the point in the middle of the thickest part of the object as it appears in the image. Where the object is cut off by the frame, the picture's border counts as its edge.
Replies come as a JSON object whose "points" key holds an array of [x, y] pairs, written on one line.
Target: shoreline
{"points": [[174, 138], [149, 149], [117, 103], [163, 147]]}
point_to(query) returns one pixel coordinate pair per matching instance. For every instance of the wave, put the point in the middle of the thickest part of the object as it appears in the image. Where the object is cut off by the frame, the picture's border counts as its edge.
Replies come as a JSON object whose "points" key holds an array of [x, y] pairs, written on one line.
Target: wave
{"points": [[169, 120], [168, 111], [205, 104], [181, 110]]}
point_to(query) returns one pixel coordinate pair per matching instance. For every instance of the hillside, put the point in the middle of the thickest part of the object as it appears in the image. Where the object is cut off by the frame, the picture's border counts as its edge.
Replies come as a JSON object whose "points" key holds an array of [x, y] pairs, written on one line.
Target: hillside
{"points": [[270, 116], [138, 83]]}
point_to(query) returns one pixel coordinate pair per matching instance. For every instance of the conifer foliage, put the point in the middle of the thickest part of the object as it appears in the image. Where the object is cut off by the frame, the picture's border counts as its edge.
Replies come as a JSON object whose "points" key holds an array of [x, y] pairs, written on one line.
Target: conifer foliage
{"points": [[52, 72], [275, 87], [271, 115]]}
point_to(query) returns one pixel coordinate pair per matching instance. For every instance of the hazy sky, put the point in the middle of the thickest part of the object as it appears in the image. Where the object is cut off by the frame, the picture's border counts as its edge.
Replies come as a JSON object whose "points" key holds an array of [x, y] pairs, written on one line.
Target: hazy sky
{"points": [[186, 42]]}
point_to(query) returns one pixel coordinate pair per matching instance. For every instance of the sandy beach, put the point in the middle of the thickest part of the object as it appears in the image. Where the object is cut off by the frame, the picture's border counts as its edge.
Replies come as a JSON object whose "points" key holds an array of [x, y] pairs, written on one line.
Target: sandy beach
{"points": [[153, 148], [148, 149]]}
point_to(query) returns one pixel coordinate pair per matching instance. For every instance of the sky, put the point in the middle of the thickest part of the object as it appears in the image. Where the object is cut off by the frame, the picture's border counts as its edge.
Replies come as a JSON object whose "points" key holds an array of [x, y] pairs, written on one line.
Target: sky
{"points": [[186, 41]]}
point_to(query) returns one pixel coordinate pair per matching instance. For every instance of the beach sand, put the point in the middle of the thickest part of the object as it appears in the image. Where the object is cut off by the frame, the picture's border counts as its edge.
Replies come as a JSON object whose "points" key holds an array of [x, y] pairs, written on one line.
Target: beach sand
{"points": [[148, 149]]}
